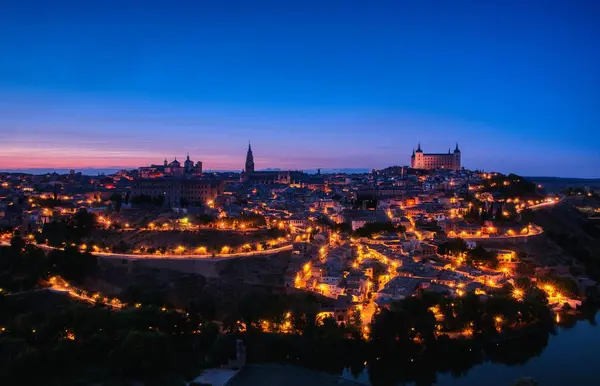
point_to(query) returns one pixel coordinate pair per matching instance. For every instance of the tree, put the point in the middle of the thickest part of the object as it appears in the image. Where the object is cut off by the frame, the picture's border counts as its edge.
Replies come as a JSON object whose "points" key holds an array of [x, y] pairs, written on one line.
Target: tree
{"points": [[527, 216], [144, 354], [452, 247], [205, 218], [17, 244], [122, 247], [72, 264], [355, 322], [481, 256], [499, 216], [117, 201], [566, 285], [370, 229], [205, 306], [82, 224]]}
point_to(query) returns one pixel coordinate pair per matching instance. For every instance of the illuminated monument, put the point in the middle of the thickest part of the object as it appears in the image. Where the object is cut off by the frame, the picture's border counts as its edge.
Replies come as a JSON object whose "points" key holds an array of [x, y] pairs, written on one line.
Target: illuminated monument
{"points": [[420, 160]]}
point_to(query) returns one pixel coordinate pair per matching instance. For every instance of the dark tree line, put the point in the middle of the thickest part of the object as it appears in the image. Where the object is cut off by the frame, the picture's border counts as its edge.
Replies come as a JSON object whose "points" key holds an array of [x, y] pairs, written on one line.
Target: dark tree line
{"points": [[68, 231], [24, 267]]}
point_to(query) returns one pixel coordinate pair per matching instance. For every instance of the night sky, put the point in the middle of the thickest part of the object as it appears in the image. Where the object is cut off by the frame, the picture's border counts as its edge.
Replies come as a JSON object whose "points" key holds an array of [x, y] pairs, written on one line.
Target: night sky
{"points": [[329, 84]]}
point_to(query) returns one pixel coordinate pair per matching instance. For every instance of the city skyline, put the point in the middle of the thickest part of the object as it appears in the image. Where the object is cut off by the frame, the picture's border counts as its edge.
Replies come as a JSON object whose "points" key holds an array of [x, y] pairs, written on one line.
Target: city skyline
{"points": [[331, 86]]}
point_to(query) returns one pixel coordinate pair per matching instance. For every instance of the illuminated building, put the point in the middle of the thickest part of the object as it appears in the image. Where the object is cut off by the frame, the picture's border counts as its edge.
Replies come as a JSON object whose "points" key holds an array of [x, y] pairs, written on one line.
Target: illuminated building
{"points": [[178, 191], [174, 169], [263, 177], [420, 160]]}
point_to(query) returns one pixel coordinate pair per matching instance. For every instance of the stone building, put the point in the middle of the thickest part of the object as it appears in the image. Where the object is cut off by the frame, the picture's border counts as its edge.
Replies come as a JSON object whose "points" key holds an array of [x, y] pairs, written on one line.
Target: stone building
{"points": [[420, 160], [178, 191]]}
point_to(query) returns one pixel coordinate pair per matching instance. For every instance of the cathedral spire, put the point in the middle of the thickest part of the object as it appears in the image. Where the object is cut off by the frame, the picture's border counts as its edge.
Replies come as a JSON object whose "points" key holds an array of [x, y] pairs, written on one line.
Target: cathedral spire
{"points": [[456, 150], [249, 160]]}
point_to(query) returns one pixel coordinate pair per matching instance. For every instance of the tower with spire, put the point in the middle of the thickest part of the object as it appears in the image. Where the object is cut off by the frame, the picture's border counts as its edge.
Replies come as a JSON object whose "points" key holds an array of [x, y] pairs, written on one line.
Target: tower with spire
{"points": [[457, 160], [416, 160], [188, 165], [249, 167]]}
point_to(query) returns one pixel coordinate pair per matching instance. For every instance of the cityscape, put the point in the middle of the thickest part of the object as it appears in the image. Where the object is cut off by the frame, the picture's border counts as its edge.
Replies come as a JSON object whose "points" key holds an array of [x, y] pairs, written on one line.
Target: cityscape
{"points": [[342, 252], [295, 194]]}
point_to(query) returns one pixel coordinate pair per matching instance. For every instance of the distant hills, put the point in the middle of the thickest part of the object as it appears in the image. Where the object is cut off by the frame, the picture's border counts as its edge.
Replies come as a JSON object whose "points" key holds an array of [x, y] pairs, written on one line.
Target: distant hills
{"points": [[559, 183], [107, 171], [86, 171]]}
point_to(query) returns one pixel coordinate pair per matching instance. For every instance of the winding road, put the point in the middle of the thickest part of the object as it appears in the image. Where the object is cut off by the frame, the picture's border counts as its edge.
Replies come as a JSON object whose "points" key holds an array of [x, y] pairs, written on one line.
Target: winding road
{"points": [[130, 256]]}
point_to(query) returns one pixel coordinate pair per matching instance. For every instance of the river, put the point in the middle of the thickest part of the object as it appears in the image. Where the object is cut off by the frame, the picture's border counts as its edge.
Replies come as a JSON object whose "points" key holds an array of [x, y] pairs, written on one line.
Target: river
{"points": [[571, 357]]}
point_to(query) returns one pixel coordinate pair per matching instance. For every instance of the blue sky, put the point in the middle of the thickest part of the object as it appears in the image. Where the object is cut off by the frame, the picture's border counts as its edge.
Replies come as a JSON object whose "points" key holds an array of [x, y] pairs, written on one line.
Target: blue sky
{"points": [[326, 84]]}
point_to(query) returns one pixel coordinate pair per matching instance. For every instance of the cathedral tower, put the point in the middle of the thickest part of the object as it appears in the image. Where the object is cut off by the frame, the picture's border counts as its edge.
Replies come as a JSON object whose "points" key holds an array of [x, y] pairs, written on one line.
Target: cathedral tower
{"points": [[249, 160], [457, 160]]}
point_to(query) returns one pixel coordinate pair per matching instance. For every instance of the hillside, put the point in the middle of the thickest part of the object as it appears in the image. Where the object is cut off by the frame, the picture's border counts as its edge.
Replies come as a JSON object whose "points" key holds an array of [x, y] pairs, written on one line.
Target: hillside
{"points": [[569, 229], [556, 184]]}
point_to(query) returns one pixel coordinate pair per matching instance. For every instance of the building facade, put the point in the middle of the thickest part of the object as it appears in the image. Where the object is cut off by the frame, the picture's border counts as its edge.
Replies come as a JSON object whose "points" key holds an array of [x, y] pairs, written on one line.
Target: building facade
{"points": [[178, 192], [420, 160], [266, 177], [172, 169]]}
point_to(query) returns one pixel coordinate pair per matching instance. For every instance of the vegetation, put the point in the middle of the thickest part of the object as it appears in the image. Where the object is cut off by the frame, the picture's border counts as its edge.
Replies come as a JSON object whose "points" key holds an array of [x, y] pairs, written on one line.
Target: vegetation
{"points": [[452, 247], [21, 267], [479, 256], [117, 201], [68, 231], [511, 186], [154, 342], [574, 247], [371, 229], [249, 219]]}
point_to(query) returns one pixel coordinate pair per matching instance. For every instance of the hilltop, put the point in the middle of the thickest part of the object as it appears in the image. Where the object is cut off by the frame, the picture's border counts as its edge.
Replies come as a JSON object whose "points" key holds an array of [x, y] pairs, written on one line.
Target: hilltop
{"points": [[571, 230]]}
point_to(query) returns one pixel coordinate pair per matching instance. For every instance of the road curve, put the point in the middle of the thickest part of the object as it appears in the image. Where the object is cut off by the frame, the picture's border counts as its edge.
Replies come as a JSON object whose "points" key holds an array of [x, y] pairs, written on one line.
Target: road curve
{"points": [[219, 256]]}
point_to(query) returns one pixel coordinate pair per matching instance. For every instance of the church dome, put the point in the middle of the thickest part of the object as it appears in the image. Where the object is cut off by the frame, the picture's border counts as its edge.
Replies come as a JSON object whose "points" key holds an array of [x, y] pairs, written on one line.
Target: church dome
{"points": [[175, 163]]}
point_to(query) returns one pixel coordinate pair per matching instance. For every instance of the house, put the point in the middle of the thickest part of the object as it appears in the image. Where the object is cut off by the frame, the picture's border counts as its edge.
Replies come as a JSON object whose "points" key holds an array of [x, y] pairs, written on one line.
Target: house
{"points": [[341, 310], [298, 222], [357, 286], [331, 279], [506, 256], [400, 287], [329, 290]]}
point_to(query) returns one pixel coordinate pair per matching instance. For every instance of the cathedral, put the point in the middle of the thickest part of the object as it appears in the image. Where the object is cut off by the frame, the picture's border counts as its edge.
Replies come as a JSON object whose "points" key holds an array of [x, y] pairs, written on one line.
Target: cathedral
{"points": [[250, 175], [249, 167], [175, 169], [420, 160], [172, 169]]}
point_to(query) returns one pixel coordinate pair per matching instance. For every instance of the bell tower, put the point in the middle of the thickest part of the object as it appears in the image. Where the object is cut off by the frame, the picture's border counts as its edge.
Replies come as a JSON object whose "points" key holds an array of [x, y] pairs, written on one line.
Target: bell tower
{"points": [[249, 160], [456, 158]]}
